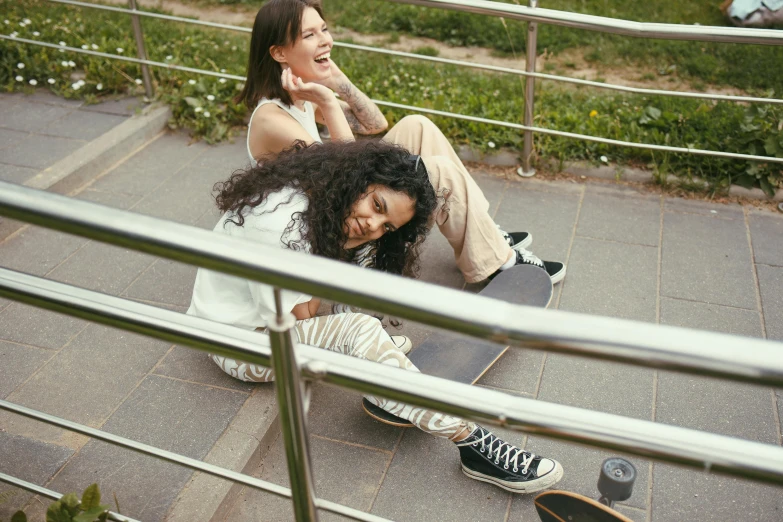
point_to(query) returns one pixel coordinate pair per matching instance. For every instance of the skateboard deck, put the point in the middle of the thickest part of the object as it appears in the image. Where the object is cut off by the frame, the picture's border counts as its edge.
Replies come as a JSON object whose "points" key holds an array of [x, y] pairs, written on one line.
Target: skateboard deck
{"points": [[564, 506], [464, 359]]}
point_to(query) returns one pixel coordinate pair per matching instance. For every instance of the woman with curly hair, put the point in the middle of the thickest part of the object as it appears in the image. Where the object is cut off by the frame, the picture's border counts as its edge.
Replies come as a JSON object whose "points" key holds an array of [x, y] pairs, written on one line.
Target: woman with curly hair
{"points": [[291, 85], [329, 200]]}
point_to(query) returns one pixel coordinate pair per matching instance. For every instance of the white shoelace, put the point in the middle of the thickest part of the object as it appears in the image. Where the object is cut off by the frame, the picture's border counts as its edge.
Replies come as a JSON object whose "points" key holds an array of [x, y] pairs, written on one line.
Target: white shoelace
{"points": [[529, 257], [511, 455]]}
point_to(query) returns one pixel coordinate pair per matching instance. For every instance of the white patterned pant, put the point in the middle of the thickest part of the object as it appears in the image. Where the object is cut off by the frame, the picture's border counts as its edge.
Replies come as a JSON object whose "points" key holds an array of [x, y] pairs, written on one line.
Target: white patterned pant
{"points": [[362, 336]]}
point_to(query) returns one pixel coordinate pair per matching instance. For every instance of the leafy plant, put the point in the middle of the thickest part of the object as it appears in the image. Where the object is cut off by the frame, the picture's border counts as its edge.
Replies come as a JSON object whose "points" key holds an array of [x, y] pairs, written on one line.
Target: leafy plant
{"points": [[70, 509]]}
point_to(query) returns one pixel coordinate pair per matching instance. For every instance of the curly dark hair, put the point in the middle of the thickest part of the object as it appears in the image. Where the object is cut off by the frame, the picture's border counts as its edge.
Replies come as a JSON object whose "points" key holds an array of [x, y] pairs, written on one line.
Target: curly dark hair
{"points": [[333, 176]]}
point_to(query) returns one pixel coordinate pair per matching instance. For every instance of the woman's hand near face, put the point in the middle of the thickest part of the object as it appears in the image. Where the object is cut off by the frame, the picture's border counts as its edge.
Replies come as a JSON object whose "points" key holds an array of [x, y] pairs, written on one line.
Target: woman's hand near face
{"points": [[307, 91], [364, 117]]}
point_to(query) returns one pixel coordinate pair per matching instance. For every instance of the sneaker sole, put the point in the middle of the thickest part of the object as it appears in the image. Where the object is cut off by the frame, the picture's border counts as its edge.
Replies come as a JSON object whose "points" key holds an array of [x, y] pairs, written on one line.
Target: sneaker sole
{"points": [[547, 481], [524, 243], [559, 276]]}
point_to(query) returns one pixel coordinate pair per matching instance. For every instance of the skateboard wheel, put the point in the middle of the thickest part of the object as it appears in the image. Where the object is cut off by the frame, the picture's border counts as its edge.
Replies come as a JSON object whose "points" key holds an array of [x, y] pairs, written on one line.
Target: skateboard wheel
{"points": [[616, 480]]}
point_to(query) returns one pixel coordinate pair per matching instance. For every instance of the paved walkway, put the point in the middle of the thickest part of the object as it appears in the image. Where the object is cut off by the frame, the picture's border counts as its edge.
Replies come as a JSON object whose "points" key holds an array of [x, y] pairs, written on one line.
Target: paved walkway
{"points": [[630, 254]]}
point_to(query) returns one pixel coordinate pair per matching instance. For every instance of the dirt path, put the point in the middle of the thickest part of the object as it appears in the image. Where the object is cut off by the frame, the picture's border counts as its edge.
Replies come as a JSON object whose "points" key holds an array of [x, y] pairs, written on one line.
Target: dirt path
{"points": [[569, 63]]}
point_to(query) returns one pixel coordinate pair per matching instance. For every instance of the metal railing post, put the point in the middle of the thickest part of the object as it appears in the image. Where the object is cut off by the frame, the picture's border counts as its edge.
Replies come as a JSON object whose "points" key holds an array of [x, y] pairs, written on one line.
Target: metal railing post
{"points": [[530, 84], [293, 421], [141, 50]]}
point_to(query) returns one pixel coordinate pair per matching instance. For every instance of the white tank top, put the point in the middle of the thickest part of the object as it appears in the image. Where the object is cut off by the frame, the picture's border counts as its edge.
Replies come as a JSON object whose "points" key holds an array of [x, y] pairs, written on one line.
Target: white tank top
{"points": [[305, 118]]}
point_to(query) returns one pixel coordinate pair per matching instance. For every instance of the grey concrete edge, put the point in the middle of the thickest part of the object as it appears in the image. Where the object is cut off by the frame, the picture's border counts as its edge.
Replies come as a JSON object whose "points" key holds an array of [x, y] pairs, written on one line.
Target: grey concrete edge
{"points": [[95, 157], [510, 158], [241, 447]]}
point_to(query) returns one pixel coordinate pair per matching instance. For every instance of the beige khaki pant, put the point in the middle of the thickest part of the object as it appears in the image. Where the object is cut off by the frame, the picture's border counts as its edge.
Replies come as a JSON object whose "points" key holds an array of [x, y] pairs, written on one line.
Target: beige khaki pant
{"points": [[463, 213], [362, 336]]}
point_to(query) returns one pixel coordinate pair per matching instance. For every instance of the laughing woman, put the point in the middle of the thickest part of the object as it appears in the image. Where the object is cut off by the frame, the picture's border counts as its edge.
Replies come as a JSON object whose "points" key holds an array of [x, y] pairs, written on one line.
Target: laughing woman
{"points": [[291, 85], [330, 200]]}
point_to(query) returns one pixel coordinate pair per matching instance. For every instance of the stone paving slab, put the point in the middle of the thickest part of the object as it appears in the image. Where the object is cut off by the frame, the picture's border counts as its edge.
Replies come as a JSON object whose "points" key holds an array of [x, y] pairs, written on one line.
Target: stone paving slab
{"points": [[348, 474], [83, 392], [770, 282], [337, 414], [25, 324], [39, 151], [26, 116], [109, 199], [15, 173], [181, 417], [711, 317], [30, 460], [104, 268], [37, 251], [596, 385], [92, 124], [9, 137], [164, 281], [641, 213], [611, 279], [192, 365], [425, 482], [17, 364], [680, 494], [765, 233], [151, 166], [707, 259]]}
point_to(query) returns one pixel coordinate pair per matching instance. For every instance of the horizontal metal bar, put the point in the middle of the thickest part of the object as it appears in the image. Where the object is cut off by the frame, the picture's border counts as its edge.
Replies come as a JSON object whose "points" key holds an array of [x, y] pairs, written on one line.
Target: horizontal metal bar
{"points": [[708, 451], [48, 493], [564, 79], [436, 59], [150, 14], [572, 135], [607, 25], [182, 460], [124, 58], [585, 137], [638, 343]]}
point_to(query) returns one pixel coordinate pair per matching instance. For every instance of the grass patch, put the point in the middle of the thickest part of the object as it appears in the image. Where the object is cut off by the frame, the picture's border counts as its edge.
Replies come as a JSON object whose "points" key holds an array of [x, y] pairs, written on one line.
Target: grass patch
{"points": [[203, 104]]}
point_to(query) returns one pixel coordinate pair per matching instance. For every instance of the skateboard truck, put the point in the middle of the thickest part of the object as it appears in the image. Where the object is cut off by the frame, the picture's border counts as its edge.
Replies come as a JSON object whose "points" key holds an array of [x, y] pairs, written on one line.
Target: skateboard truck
{"points": [[615, 483]]}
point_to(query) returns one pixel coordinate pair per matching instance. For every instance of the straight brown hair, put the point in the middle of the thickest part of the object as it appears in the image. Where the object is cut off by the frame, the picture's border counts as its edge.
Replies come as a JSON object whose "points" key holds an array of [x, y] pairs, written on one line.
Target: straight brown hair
{"points": [[278, 22]]}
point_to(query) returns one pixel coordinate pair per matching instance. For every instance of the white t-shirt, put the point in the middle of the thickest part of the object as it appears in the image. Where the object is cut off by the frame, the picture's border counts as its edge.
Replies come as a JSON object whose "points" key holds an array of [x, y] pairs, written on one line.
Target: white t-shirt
{"points": [[241, 302]]}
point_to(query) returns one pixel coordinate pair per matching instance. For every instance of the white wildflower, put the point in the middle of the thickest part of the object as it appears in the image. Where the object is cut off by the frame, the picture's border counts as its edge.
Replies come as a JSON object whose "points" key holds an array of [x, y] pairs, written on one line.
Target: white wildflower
{"points": [[48, 21], [604, 159], [210, 97], [20, 65], [491, 144], [169, 57], [36, 33], [99, 86], [76, 86], [192, 82], [222, 70], [233, 47], [51, 81], [33, 82], [27, 21], [85, 46], [71, 63], [14, 34], [64, 63], [62, 44], [19, 79], [6, 22], [138, 81], [207, 114], [198, 109], [94, 46], [120, 50], [222, 80]]}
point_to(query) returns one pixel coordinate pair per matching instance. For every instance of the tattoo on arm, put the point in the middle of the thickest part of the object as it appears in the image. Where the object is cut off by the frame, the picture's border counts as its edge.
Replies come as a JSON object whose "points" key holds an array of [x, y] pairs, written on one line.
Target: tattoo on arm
{"points": [[362, 115]]}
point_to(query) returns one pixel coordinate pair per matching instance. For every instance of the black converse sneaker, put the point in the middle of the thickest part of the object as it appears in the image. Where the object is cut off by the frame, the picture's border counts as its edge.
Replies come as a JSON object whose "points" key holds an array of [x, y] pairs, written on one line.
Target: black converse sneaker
{"points": [[490, 459], [555, 269], [516, 239]]}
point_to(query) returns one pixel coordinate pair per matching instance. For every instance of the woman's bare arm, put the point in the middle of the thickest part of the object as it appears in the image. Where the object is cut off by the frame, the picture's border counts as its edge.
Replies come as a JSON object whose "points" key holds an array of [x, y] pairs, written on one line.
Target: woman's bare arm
{"points": [[363, 116]]}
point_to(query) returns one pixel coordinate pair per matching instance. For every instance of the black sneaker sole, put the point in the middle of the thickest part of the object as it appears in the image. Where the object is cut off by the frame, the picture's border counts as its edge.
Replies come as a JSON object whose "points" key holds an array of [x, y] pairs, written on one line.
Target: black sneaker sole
{"points": [[539, 484]]}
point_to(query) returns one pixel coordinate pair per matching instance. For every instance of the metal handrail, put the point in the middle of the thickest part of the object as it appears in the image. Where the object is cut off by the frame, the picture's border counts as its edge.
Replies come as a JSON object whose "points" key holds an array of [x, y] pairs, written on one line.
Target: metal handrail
{"points": [[500, 123], [643, 344], [607, 25], [414, 56], [758, 461]]}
